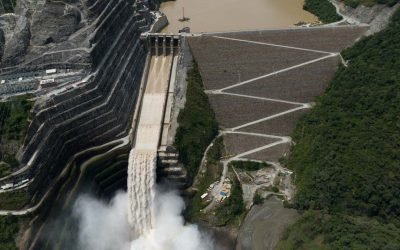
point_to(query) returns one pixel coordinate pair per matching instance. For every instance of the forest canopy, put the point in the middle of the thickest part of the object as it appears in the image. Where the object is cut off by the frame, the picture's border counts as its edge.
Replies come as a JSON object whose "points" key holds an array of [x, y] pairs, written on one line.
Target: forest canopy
{"points": [[347, 153]]}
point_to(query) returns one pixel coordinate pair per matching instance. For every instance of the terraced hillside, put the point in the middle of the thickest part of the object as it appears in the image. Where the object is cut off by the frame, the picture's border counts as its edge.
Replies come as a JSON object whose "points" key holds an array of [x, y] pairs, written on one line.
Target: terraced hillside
{"points": [[80, 128]]}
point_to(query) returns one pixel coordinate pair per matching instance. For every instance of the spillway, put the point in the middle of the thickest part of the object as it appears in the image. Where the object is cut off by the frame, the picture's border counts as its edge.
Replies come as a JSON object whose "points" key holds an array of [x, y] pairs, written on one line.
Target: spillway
{"points": [[141, 185], [143, 156]]}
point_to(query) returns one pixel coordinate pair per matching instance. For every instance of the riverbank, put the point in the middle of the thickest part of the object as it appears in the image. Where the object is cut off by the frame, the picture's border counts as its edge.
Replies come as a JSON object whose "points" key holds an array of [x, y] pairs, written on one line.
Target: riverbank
{"points": [[324, 10]]}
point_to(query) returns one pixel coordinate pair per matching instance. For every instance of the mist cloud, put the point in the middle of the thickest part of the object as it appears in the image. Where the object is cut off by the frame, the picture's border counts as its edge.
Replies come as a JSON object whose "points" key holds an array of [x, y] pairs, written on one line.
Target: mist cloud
{"points": [[104, 226]]}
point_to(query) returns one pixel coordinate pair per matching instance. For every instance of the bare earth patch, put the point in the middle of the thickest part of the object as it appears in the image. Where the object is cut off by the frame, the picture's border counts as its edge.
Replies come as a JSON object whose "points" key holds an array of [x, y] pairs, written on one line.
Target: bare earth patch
{"points": [[271, 154], [282, 125], [264, 225], [232, 111], [236, 143]]}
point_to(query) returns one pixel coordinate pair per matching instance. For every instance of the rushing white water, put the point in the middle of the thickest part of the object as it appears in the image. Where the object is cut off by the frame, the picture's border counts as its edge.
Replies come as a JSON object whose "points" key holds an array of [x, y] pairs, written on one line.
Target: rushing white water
{"points": [[104, 226], [141, 190], [143, 156]]}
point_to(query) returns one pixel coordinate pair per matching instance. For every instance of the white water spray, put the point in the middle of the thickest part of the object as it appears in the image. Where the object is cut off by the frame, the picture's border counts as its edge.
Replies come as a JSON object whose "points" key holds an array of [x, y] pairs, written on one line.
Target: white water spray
{"points": [[104, 226], [141, 190], [154, 217]]}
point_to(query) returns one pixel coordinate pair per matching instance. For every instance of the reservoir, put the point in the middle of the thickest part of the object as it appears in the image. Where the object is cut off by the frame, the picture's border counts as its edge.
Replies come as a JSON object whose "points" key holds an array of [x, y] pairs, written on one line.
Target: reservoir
{"points": [[234, 15]]}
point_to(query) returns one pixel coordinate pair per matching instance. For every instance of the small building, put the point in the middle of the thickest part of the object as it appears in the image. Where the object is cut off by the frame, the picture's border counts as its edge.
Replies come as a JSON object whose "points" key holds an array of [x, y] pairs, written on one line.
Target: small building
{"points": [[227, 180], [212, 185], [204, 195], [47, 83], [7, 186], [51, 71]]}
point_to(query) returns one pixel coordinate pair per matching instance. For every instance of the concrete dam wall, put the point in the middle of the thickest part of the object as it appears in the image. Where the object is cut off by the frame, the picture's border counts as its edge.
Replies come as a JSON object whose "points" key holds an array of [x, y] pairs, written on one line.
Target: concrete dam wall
{"points": [[99, 109], [81, 131]]}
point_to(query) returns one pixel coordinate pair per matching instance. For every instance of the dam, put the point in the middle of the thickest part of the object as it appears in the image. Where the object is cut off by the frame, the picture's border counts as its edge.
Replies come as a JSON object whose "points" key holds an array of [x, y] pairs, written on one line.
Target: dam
{"points": [[105, 95]]}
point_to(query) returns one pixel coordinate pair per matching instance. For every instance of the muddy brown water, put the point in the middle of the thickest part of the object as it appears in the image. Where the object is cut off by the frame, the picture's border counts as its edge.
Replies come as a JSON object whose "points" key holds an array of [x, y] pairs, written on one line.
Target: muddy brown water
{"points": [[234, 15]]}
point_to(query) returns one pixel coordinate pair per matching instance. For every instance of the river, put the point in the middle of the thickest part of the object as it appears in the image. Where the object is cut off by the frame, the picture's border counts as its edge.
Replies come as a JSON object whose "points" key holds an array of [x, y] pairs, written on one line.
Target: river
{"points": [[234, 15]]}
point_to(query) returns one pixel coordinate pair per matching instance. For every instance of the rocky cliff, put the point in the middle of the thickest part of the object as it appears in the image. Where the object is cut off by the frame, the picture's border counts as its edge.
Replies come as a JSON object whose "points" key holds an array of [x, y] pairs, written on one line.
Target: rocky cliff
{"points": [[85, 119]]}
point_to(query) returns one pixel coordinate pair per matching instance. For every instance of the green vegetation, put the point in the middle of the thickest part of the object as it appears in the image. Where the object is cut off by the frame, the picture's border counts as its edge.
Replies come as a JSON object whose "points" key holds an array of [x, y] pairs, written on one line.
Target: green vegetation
{"points": [[275, 189], [5, 169], [13, 200], [217, 150], [197, 124], [323, 9], [257, 199], [14, 118], [249, 165], [316, 230], [8, 5], [347, 154], [14, 121], [8, 232], [212, 174], [232, 210], [326, 11]]}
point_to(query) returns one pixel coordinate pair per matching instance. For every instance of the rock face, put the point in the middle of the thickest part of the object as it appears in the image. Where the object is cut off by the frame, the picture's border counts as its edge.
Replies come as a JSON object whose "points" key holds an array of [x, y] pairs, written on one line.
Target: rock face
{"points": [[377, 16], [54, 23], [82, 119], [15, 35], [100, 35]]}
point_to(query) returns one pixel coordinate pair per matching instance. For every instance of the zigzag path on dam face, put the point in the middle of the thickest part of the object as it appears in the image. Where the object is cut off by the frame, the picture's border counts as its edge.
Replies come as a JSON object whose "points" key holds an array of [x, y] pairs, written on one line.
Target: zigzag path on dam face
{"points": [[268, 83]]}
